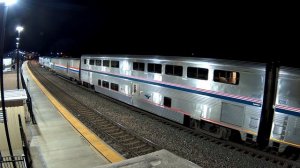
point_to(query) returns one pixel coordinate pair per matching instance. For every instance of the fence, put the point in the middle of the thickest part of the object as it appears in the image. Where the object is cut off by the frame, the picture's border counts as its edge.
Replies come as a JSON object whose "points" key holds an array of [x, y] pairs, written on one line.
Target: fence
{"points": [[23, 161], [28, 101], [12, 162], [25, 145]]}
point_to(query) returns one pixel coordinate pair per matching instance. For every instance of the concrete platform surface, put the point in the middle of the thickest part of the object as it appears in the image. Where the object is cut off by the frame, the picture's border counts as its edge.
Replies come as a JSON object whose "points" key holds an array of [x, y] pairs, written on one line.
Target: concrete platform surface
{"points": [[53, 141], [159, 159]]}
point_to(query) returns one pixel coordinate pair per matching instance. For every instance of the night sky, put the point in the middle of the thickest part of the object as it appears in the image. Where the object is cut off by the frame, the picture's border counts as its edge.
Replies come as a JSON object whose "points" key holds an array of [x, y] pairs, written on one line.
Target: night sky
{"points": [[236, 31]]}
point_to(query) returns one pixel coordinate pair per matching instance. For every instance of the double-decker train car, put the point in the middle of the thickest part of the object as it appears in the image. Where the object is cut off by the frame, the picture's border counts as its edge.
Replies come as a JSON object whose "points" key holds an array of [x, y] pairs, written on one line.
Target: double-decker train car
{"points": [[219, 97], [207, 93], [45, 61], [68, 67], [41, 60], [286, 121]]}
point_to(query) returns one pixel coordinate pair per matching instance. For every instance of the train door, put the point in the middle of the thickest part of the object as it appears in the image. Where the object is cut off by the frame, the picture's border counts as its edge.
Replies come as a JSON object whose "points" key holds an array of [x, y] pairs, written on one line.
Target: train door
{"points": [[90, 77], [134, 92]]}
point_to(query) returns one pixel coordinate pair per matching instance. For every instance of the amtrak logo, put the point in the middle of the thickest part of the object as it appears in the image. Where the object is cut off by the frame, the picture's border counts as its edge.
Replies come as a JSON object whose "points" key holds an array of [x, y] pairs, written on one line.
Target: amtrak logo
{"points": [[147, 96]]}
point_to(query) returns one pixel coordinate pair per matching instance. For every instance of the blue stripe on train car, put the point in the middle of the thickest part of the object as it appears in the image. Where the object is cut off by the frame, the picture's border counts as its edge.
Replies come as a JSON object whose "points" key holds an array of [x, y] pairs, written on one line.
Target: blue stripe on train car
{"points": [[182, 89], [59, 67], [294, 113], [77, 71]]}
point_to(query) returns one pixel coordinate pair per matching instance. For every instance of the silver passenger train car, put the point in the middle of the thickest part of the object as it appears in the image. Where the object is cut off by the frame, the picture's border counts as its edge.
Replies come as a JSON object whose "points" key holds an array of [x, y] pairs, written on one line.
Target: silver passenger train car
{"points": [[216, 96], [219, 92], [45, 61], [67, 67], [286, 121]]}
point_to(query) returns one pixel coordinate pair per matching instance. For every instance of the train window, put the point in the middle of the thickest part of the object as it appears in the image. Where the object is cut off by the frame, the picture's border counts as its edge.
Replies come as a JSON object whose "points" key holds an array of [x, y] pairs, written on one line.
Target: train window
{"points": [[135, 66], [142, 66], [197, 73], [84, 61], [99, 82], [139, 66], [174, 70], [105, 84], [92, 62], [155, 68], [228, 77], [150, 67], [115, 64], [167, 101], [106, 63], [114, 86], [98, 62]]}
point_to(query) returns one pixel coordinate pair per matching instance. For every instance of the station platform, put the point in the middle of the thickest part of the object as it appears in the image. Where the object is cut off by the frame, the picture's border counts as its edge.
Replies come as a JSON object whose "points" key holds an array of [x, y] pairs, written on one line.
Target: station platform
{"points": [[59, 140], [54, 142]]}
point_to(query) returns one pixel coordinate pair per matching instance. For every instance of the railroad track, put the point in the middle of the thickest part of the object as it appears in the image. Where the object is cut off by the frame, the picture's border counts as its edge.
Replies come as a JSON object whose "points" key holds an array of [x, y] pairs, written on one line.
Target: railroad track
{"points": [[125, 141], [283, 160]]}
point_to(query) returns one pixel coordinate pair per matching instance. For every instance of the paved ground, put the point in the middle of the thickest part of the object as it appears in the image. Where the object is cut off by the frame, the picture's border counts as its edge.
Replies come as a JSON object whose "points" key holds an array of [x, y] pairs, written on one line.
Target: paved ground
{"points": [[10, 80]]}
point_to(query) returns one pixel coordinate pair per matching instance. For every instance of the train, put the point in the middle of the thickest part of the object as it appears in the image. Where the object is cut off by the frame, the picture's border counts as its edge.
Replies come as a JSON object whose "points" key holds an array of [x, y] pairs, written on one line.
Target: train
{"points": [[258, 101]]}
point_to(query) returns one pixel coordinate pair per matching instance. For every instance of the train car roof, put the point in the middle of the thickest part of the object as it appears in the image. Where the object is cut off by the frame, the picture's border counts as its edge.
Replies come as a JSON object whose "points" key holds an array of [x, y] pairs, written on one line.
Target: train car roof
{"points": [[219, 62], [289, 71]]}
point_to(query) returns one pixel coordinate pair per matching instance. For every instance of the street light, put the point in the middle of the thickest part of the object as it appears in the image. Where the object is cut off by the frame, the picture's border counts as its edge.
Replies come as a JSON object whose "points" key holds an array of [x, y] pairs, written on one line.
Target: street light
{"points": [[19, 30], [8, 2], [3, 10]]}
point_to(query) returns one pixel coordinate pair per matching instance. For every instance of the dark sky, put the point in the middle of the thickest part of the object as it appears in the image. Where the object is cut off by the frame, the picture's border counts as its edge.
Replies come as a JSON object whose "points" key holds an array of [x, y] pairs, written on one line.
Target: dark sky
{"points": [[237, 31]]}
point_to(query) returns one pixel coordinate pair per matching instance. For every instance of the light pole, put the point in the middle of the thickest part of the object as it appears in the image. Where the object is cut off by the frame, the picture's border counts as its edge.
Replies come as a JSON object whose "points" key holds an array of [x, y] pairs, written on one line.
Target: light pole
{"points": [[19, 30], [3, 10]]}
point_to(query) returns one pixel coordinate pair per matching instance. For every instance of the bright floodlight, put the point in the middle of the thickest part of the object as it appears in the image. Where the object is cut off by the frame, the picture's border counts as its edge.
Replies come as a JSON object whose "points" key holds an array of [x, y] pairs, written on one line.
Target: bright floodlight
{"points": [[8, 2], [19, 28]]}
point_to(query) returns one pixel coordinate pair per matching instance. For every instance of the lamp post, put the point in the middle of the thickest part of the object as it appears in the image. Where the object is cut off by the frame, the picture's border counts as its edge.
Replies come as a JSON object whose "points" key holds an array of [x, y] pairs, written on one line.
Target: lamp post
{"points": [[3, 10], [19, 30]]}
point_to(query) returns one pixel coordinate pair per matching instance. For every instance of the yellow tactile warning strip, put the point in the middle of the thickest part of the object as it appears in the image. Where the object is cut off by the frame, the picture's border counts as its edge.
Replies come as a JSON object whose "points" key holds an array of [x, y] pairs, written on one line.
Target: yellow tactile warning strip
{"points": [[95, 141]]}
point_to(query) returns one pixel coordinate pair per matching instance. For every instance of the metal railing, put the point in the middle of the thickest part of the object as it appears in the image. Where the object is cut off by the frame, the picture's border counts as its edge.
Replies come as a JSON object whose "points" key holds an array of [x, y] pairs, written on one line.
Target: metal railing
{"points": [[28, 101], [25, 145], [12, 162], [23, 161]]}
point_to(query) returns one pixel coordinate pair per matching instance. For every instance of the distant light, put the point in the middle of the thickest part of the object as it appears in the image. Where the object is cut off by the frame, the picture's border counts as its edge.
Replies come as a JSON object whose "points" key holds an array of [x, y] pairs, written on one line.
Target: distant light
{"points": [[19, 28], [8, 2]]}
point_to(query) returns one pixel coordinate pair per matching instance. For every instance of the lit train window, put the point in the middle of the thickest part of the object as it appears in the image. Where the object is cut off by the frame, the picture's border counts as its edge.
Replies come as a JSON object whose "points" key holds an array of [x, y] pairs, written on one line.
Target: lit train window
{"points": [[138, 66], [228, 77], [99, 82], [114, 86], [92, 62], [197, 73], [84, 61], [98, 62], [115, 64], [106, 63], [155, 68], [105, 84], [174, 70]]}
